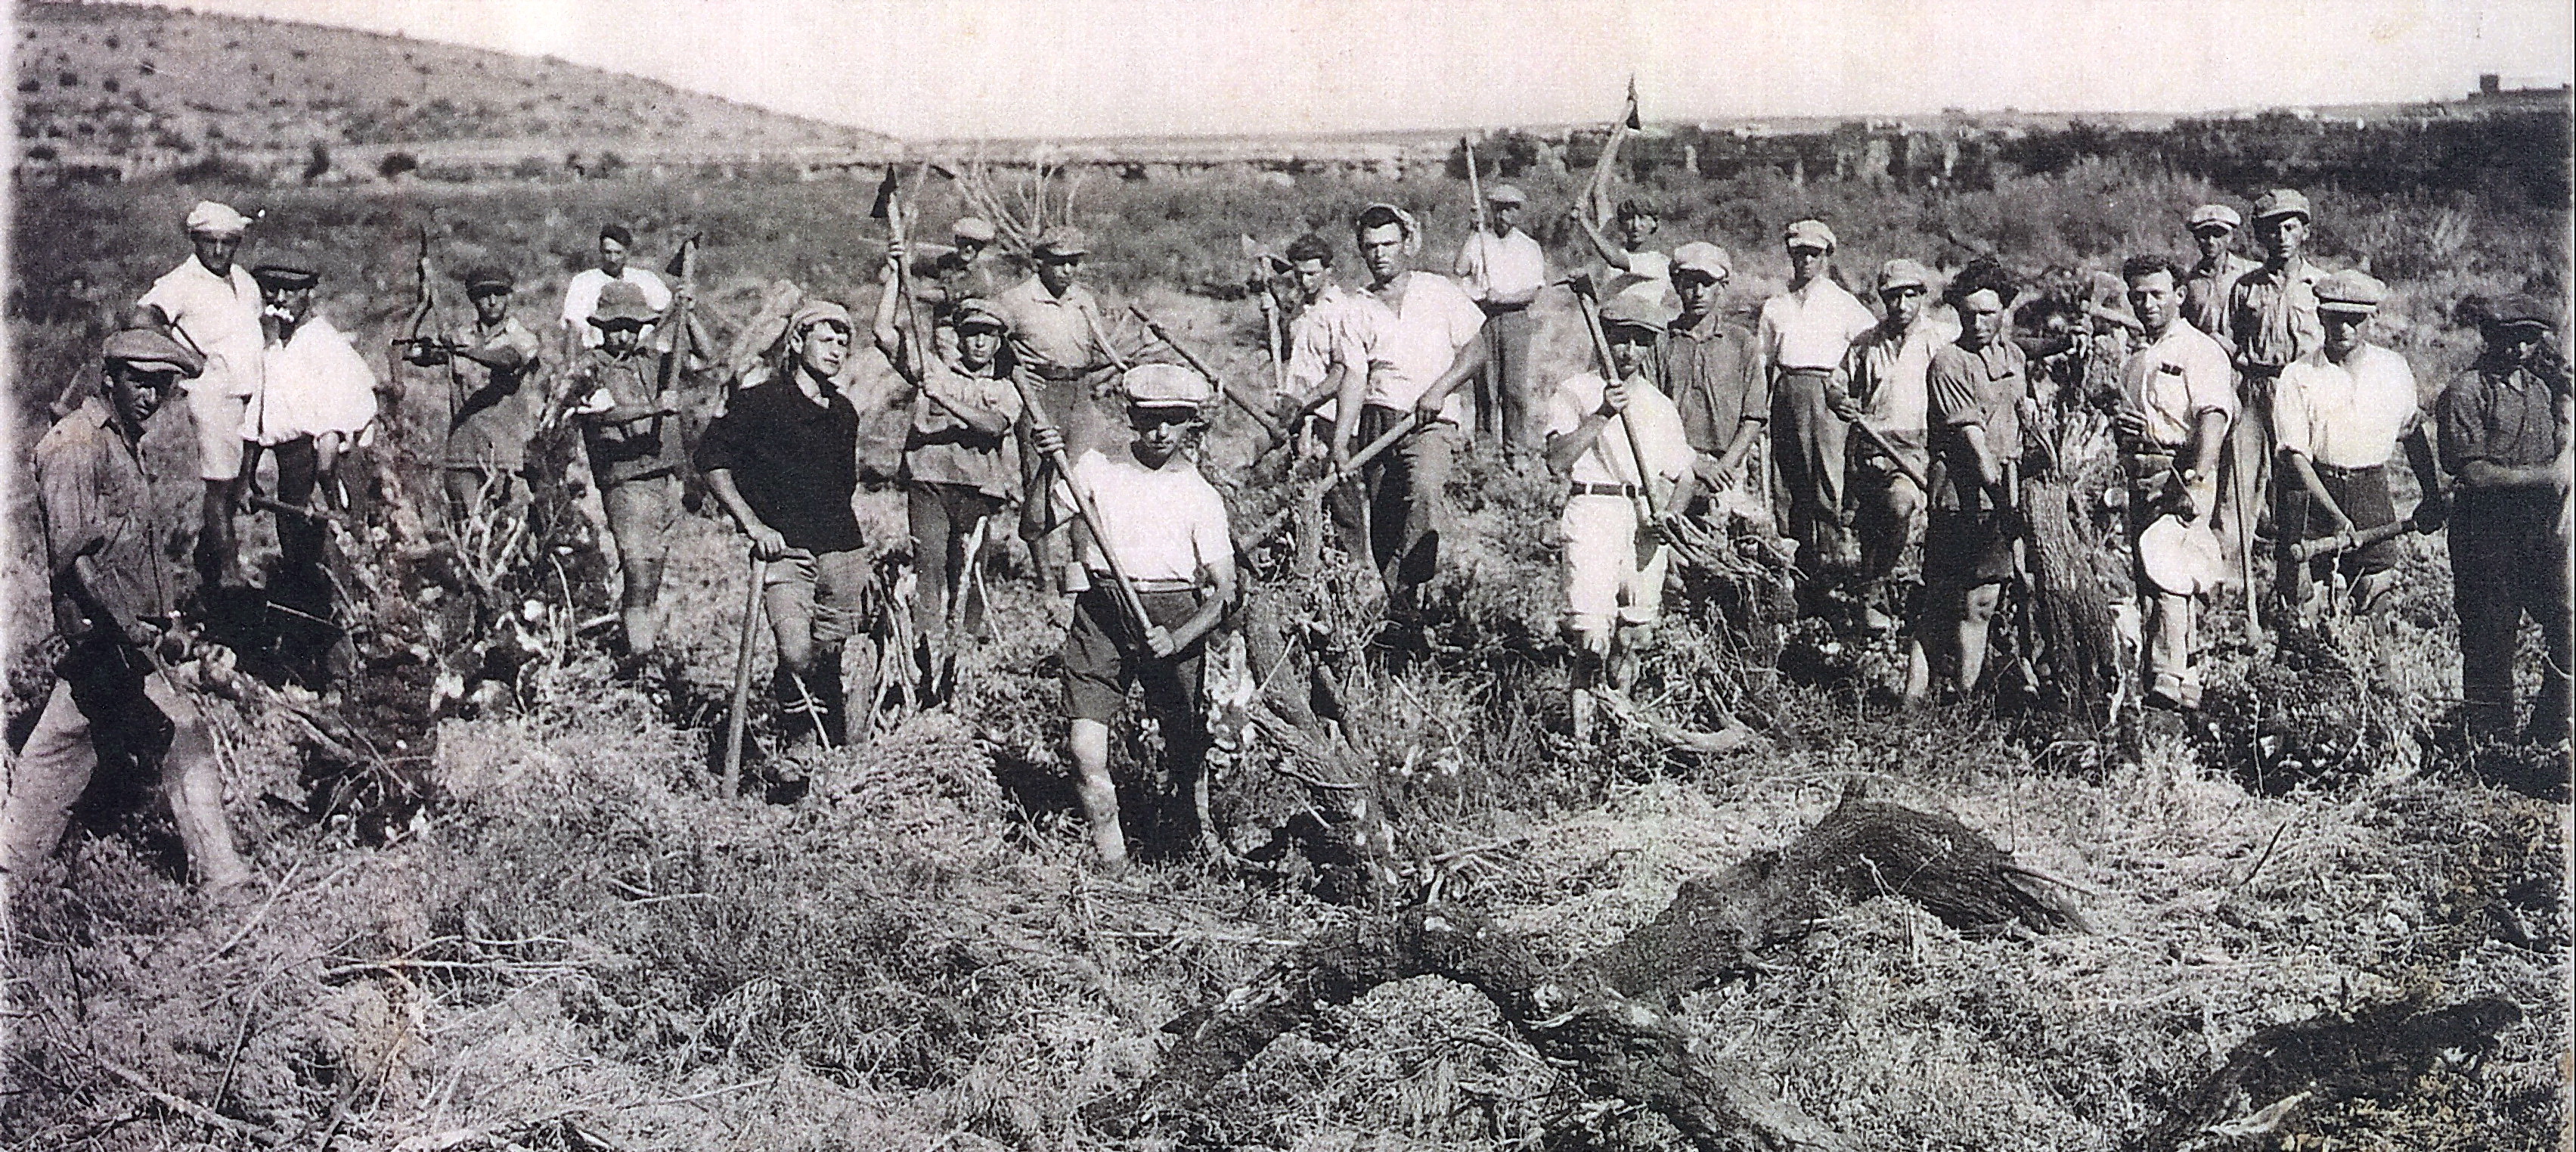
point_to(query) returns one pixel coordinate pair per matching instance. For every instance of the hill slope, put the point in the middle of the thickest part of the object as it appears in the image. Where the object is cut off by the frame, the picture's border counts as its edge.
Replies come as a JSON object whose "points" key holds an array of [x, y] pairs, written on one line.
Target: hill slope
{"points": [[154, 86]]}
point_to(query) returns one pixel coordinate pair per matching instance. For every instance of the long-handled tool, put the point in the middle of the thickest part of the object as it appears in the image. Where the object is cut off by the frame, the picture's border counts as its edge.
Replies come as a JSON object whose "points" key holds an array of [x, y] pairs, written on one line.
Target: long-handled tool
{"points": [[742, 678], [1265, 269], [1338, 477], [1889, 450], [1083, 508], [2341, 542], [1583, 298]]}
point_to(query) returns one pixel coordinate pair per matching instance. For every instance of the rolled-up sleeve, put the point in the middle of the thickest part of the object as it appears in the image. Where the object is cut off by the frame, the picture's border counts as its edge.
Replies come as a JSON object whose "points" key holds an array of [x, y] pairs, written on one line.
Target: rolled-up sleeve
{"points": [[2293, 418], [1952, 394], [67, 486]]}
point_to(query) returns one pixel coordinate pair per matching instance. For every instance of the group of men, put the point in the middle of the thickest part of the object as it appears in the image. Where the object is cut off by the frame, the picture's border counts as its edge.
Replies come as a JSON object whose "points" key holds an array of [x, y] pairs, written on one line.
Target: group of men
{"points": [[2250, 401]]}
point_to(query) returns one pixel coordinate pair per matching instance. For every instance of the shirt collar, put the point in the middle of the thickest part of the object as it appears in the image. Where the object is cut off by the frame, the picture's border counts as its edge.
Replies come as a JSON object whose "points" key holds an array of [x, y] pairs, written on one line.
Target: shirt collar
{"points": [[1708, 328]]}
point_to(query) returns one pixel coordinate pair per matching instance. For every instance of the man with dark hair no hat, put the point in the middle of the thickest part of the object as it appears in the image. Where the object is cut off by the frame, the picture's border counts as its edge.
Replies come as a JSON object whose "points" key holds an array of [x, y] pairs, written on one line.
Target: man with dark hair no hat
{"points": [[1974, 391]]}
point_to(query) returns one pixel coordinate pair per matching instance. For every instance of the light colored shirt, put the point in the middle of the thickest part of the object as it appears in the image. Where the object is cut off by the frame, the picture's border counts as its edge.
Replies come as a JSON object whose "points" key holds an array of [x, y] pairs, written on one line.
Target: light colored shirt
{"points": [[1318, 338], [2205, 290], [2271, 316], [2346, 415], [1506, 269], [1051, 333], [1608, 461], [1164, 523], [1650, 264], [1884, 372], [581, 298], [942, 449], [2176, 380], [316, 383], [1811, 328], [1410, 342], [220, 315]]}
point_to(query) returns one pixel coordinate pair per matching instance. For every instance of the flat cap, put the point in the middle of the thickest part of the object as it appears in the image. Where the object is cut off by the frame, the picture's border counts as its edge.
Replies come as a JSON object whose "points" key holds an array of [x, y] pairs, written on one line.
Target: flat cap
{"points": [[1646, 303], [1506, 194], [2281, 202], [1702, 256], [151, 349], [287, 272], [976, 313], [1809, 234], [2350, 290], [489, 278], [1063, 240], [813, 312], [1165, 386], [974, 228], [622, 302], [2214, 216], [1901, 272], [211, 219], [2527, 310]]}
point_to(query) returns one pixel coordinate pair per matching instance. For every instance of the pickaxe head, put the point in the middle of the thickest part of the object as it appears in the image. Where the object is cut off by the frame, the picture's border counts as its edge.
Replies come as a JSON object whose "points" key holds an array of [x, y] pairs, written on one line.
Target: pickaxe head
{"points": [[1581, 284], [886, 191]]}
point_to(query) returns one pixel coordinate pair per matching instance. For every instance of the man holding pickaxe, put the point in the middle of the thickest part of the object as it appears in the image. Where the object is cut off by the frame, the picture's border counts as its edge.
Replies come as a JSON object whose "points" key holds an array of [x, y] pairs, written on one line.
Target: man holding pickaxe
{"points": [[1058, 340], [1418, 333], [1322, 353], [783, 461], [1503, 269], [1880, 392], [1154, 577], [494, 401], [1620, 444], [2338, 415]]}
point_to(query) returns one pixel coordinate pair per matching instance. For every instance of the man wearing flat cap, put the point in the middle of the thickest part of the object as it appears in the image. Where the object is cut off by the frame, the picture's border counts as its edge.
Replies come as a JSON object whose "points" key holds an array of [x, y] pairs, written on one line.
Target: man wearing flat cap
{"points": [[1803, 334], [493, 401], [316, 401], [1502, 268], [1710, 369], [1059, 337], [1881, 385], [2505, 435], [632, 436], [211, 305], [1621, 447], [2270, 322], [2206, 285], [1167, 529], [946, 277], [783, 461], [958, 470], [115, 597], [2338, 414]]}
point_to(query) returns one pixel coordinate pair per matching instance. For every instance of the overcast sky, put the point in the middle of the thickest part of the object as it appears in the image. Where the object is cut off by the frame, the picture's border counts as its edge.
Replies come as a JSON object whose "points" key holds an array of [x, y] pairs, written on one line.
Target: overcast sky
{"points": [[1022, 68]]}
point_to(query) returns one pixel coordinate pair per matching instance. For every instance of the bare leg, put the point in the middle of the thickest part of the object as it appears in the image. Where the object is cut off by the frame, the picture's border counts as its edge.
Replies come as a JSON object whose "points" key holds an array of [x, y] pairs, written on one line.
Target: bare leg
{"points": [[1975, 617], [193, 783], [1090, 739]]}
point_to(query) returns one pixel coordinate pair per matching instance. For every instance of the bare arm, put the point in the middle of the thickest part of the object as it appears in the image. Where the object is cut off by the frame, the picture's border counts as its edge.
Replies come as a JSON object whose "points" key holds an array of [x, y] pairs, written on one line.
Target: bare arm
{"points": [[1468, 365], [1611, 254], [766, 543]]}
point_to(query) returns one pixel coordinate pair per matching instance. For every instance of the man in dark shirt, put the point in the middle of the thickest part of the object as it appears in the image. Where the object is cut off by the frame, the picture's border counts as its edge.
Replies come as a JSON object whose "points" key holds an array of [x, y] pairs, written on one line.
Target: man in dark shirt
{"points": [[113, 592], [1973, 391], [1710, 367], [783, 460], [2504, 442], [631, 432]]}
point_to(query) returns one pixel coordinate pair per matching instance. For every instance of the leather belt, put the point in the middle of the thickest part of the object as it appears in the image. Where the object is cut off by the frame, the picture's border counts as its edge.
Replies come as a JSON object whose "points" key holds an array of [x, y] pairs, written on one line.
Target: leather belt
{"points": [[1583, 489]]}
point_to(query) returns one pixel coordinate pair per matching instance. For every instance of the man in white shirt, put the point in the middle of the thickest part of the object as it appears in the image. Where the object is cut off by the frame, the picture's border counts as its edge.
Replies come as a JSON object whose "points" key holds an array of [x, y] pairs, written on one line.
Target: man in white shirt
{"points": [[1167, 529], [211, 304], [1502, 269], [1417, 332], [1881, 384], [1621, 447], [317, 396], [581, 296], [2337, 414], [2177, 401], [1802, 337], [1317, 364]]}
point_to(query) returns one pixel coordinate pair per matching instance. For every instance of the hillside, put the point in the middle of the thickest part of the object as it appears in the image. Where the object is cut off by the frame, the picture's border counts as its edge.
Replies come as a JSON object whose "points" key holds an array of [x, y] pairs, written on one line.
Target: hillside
{"points": [[144, 89]]}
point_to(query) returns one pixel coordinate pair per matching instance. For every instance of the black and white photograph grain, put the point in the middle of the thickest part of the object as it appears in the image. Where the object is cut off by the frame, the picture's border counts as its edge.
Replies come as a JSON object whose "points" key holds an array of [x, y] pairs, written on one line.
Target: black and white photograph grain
{"points": [[1288, 576]]}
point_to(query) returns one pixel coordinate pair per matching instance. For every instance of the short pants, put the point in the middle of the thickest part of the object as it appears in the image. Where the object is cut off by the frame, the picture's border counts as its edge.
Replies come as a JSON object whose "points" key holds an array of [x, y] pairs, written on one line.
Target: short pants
{"points": [[1609, 570], [218, 421], [834, 590], [641, 513], [1104, 653], [1967, 548]]}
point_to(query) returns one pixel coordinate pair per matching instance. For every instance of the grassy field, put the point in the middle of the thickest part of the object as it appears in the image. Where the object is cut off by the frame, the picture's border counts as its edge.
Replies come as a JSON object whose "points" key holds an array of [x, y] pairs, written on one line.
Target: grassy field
{"points": [[576, 946]]}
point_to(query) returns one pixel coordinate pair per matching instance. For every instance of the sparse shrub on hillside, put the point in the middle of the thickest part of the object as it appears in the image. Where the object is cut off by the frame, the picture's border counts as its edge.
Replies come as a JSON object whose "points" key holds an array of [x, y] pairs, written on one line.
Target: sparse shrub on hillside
{"points": [[396, 164]]}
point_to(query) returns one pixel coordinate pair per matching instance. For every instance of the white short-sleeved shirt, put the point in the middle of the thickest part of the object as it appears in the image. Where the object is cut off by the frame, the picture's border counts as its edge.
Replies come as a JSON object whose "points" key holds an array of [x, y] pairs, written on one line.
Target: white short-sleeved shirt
{"points": [[1510, 268], [1657, 419], [1410, 343], [1315, 338], [2346, 415], [1886, 373], [581, 298], [1164, 523], [2175, 380], [1650, 264], [220, 315], [316, 383], [1812, 329]]}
